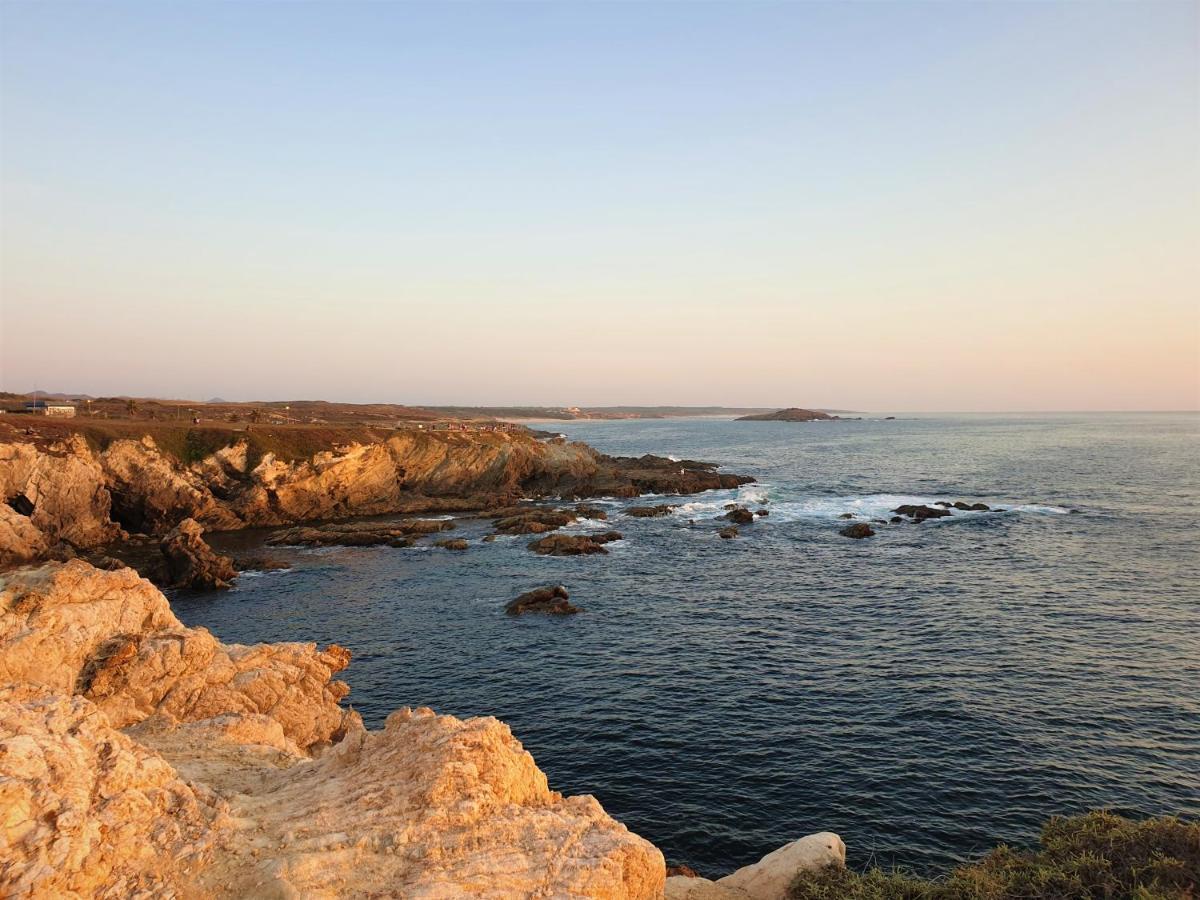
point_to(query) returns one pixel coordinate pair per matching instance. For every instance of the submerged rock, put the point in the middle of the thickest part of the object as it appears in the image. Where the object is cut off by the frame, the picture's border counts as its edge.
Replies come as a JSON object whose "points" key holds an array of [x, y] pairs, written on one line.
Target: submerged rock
{"points": [[259, 564], [535, 520], [730, 532], [554, 600], [591, 512], [858, 530], [649, 512], [454, 544], [361, 534]]}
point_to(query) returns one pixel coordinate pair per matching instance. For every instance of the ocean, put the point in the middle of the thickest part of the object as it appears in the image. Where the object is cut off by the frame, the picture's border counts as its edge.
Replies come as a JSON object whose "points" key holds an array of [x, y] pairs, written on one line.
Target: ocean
{"points": [[925, 693]]}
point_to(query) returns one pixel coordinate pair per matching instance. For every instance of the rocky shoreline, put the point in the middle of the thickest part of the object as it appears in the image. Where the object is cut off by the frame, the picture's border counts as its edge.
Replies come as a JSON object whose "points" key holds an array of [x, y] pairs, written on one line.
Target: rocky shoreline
{"points": [[131, 502], [142, 758]]}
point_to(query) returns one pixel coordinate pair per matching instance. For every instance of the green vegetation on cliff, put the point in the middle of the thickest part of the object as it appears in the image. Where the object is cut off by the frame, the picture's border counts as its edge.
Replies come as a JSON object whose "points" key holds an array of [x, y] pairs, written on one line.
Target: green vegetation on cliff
{"points": [[1097, 856]]}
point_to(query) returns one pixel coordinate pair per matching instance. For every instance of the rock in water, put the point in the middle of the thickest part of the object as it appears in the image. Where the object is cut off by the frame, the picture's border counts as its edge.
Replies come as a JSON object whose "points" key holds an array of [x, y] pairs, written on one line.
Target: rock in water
{"points": [[858, 530], [573, 544], [455, 544], [191, 563], [730, 532], [921, 513], [740, 516], [649, 512], [553, 599]]}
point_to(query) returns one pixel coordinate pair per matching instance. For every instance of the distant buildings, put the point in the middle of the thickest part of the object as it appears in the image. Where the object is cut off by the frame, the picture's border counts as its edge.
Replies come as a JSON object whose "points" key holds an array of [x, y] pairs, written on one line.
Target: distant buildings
{"points": [[44, 408]]}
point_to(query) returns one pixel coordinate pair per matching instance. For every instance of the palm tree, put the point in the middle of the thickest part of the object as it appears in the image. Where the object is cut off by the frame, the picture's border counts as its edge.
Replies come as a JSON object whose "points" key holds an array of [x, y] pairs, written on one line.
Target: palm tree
{"points": [[131, 406]]}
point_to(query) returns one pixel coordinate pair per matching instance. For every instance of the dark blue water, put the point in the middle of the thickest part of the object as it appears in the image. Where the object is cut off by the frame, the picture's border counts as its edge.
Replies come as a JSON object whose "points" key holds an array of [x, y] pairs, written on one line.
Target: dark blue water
{"points": [[924, 693]]}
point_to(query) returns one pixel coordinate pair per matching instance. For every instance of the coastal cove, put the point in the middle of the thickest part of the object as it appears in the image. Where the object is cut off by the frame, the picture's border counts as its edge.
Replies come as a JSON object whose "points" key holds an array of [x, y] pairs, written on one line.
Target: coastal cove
{"points": [[923, 693]]}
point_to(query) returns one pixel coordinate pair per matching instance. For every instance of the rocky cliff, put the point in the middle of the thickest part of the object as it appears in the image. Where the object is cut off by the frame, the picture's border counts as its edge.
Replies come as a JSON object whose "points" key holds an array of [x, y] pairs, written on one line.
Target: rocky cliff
{"points": [[139, 757], [68, 496]]}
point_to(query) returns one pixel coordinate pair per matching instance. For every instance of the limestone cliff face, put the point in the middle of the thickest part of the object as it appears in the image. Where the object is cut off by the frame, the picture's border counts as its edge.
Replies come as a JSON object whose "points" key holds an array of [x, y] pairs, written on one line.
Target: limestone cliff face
{"points": [[142, 758], [68, 496], [60, 489]]}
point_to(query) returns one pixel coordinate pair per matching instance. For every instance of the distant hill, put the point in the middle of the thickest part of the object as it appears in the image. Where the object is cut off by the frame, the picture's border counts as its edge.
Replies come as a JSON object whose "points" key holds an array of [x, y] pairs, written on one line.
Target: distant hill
{"points": [[791, 414]]}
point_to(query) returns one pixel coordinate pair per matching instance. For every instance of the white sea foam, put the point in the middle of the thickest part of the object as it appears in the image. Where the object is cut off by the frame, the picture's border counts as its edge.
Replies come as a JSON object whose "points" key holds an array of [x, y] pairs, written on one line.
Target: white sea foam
{"points": [[821, 507]]}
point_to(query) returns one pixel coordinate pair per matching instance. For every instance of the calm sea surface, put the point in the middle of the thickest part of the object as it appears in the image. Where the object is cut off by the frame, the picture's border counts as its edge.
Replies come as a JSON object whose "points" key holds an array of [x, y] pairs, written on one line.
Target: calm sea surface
{"points": [[924, 693]]}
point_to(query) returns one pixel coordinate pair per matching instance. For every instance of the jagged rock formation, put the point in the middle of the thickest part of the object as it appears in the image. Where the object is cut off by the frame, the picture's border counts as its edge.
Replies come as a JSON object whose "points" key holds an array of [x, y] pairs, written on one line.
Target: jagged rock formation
{"points": [[111, 637], [237, 774], [191, 563]]}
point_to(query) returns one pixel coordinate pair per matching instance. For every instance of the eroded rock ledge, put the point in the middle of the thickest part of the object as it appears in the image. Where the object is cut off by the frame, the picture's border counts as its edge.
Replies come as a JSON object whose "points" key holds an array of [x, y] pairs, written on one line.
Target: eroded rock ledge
{"points": [[139, 757]]}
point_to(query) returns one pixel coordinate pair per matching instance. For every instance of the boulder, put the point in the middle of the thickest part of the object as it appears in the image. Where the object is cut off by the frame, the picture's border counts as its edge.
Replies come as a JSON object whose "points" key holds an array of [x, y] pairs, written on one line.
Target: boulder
{"points": [[762, 512], [858, 530], [769, 878], [455, 544], [846, 516], [554, 600], [591, 512], [730, 532], [191, 563], [740, 516]]}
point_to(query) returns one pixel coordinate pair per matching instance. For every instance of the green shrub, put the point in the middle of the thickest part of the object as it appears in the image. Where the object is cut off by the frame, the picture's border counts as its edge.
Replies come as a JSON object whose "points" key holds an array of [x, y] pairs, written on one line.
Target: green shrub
{"points": [[1096, 856]]}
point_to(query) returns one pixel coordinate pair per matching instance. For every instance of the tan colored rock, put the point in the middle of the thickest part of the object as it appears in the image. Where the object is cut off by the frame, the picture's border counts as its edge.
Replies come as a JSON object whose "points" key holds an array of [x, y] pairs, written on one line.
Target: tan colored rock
{"points": [[769, 878], [153, 491], [87, 812], [186, 673], [66, 488], [20, 540], [437, 807], [54, 619], [191, 563], [683, 887], [112, 637]]}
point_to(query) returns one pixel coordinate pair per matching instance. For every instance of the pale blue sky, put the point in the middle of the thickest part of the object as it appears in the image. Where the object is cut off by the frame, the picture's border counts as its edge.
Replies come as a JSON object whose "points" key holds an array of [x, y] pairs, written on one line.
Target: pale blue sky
{"points": [[910, 206]]}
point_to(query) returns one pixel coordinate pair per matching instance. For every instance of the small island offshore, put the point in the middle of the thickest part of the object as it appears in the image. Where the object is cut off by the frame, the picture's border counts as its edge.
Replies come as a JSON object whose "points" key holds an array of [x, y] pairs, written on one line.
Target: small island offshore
{"points": [[791, 414]]}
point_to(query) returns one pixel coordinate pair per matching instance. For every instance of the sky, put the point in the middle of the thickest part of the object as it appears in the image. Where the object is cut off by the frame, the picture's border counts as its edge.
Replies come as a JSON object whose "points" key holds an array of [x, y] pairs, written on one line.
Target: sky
{"points": [[909, 206]]}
